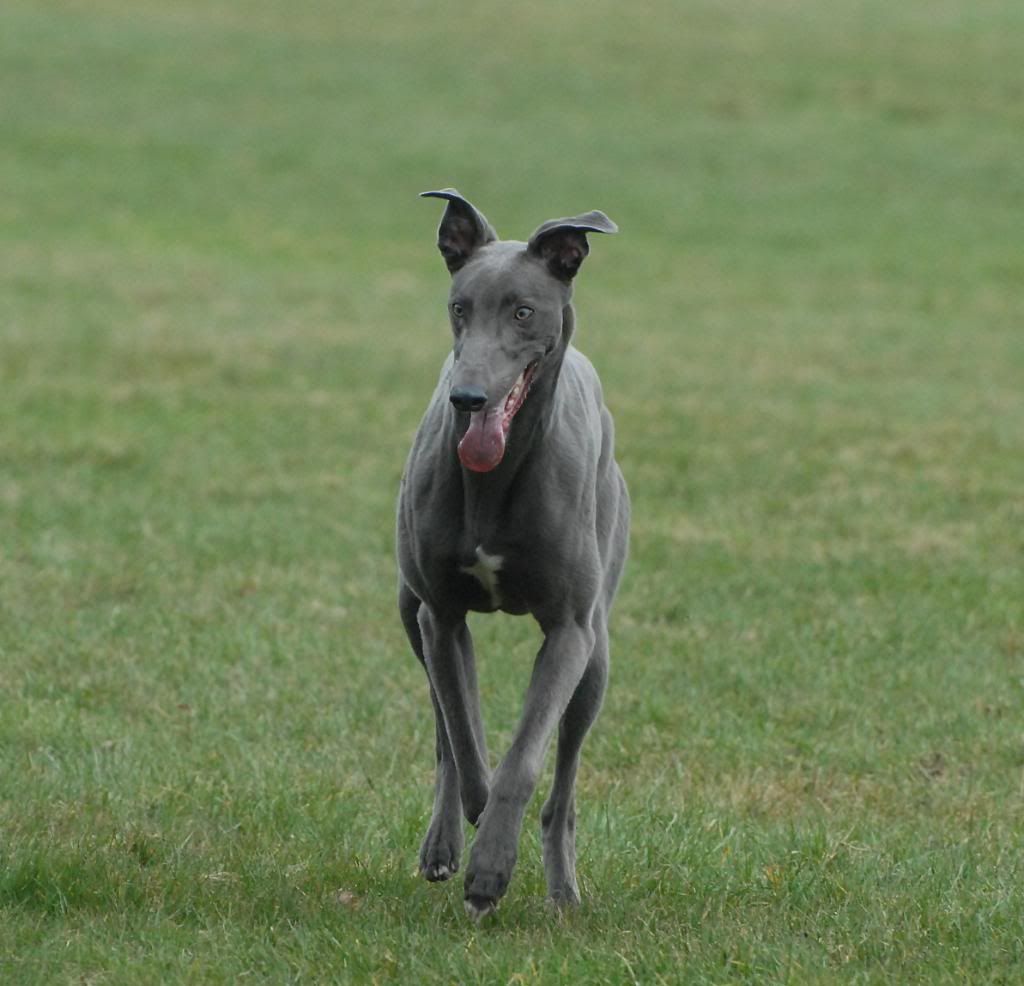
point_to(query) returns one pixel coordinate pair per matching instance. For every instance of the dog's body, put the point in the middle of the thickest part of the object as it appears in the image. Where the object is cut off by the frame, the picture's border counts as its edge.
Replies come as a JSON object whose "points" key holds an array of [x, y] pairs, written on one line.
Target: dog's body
{"points": [[512, 500]]}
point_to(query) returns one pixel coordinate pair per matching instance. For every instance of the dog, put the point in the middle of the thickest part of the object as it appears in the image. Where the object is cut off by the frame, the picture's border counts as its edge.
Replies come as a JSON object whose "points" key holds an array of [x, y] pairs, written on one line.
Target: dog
{"points": [[511, 500]]}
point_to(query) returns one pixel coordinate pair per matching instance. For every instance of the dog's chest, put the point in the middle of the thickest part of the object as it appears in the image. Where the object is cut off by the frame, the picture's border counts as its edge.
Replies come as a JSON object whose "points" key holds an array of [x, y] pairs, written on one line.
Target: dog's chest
{"points": [[485, 568]]}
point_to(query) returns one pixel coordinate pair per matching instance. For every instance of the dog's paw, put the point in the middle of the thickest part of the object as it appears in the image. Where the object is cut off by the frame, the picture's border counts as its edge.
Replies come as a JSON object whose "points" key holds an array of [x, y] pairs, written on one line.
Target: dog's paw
{"points": [[440, 852], [480, 907], [486, 881], [564, 898], [437, 872], [560, 872]]}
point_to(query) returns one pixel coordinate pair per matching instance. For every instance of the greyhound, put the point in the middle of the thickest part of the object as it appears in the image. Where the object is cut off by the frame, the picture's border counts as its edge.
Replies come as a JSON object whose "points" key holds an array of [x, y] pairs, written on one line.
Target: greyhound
{"points": [[511, 500]]}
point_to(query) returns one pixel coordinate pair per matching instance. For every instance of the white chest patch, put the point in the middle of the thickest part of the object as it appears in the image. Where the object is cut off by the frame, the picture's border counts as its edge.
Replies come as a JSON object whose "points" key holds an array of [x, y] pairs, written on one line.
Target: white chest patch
{"points": [[485, 571]]}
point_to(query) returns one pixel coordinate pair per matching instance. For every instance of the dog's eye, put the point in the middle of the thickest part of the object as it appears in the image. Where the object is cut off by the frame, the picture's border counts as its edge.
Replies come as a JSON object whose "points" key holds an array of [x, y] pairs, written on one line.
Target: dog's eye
{"points": [[523, 313], [457, 310]]}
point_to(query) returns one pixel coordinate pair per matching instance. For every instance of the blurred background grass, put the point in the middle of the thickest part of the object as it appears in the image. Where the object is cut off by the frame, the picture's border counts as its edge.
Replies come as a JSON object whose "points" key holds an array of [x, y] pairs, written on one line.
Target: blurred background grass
{"points": [[221, 314]]}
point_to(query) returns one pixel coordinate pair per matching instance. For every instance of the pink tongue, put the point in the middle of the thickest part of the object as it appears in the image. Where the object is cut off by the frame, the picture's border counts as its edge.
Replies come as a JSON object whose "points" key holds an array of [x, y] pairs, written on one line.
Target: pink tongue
{"points": [[483, 445]]}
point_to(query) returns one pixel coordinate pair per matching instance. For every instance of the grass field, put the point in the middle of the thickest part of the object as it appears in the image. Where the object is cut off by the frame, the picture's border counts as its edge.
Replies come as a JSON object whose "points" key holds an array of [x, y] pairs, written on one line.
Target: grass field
{"points": [[221, 314]]}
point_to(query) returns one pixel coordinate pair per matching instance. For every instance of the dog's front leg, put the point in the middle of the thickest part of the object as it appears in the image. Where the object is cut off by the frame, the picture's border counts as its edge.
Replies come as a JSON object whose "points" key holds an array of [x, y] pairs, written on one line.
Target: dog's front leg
{"points": [[449, 659], [556, 673]]}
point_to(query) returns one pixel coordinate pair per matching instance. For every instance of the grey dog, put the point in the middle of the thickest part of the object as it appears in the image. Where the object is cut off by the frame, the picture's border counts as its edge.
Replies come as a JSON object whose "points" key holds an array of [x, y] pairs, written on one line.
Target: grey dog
{"points": [[511, 500]]}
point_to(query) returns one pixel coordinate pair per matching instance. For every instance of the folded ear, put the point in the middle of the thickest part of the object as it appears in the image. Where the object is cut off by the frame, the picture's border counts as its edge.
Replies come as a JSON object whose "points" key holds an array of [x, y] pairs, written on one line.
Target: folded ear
{"points": [[562, 243], [463, 229]]}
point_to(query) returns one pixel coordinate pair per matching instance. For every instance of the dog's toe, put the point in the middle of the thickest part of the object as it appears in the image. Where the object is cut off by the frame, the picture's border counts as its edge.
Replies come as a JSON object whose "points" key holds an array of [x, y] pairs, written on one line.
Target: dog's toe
{"points": [[480, 907], [437, 872]]}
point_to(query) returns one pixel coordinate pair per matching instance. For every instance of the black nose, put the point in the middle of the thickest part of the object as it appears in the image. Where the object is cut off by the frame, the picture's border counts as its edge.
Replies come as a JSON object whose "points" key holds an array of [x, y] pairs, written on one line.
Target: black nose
{"points": [[468, 398]]}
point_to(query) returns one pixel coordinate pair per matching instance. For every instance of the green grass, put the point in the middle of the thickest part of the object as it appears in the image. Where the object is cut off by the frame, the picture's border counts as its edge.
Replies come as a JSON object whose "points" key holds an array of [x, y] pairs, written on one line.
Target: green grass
{"points": [[221, 314]]}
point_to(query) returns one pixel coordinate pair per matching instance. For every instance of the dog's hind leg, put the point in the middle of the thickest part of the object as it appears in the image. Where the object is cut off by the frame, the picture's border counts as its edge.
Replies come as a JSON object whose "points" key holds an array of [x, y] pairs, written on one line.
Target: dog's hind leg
{"points": [[442, 846], [558, 816]]}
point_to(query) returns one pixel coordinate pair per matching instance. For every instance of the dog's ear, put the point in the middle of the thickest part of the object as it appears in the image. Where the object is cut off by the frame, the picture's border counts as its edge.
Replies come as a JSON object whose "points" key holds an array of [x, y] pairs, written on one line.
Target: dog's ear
{"points": [[463, 230], [562, 243]]}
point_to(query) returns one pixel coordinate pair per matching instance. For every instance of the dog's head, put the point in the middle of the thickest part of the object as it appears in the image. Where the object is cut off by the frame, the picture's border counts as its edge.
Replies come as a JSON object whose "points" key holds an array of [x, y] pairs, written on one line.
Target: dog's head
{"points": [[507, 307]]}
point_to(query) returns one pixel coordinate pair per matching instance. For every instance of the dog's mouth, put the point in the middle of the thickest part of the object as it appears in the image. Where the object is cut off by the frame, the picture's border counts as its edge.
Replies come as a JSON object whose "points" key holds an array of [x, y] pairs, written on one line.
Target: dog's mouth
{"points": [[483, 445]]}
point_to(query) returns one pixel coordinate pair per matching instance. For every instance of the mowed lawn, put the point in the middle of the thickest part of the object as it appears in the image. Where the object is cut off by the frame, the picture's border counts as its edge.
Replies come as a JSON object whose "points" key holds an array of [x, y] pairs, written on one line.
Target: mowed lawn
{"points": [[221, 315]]}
